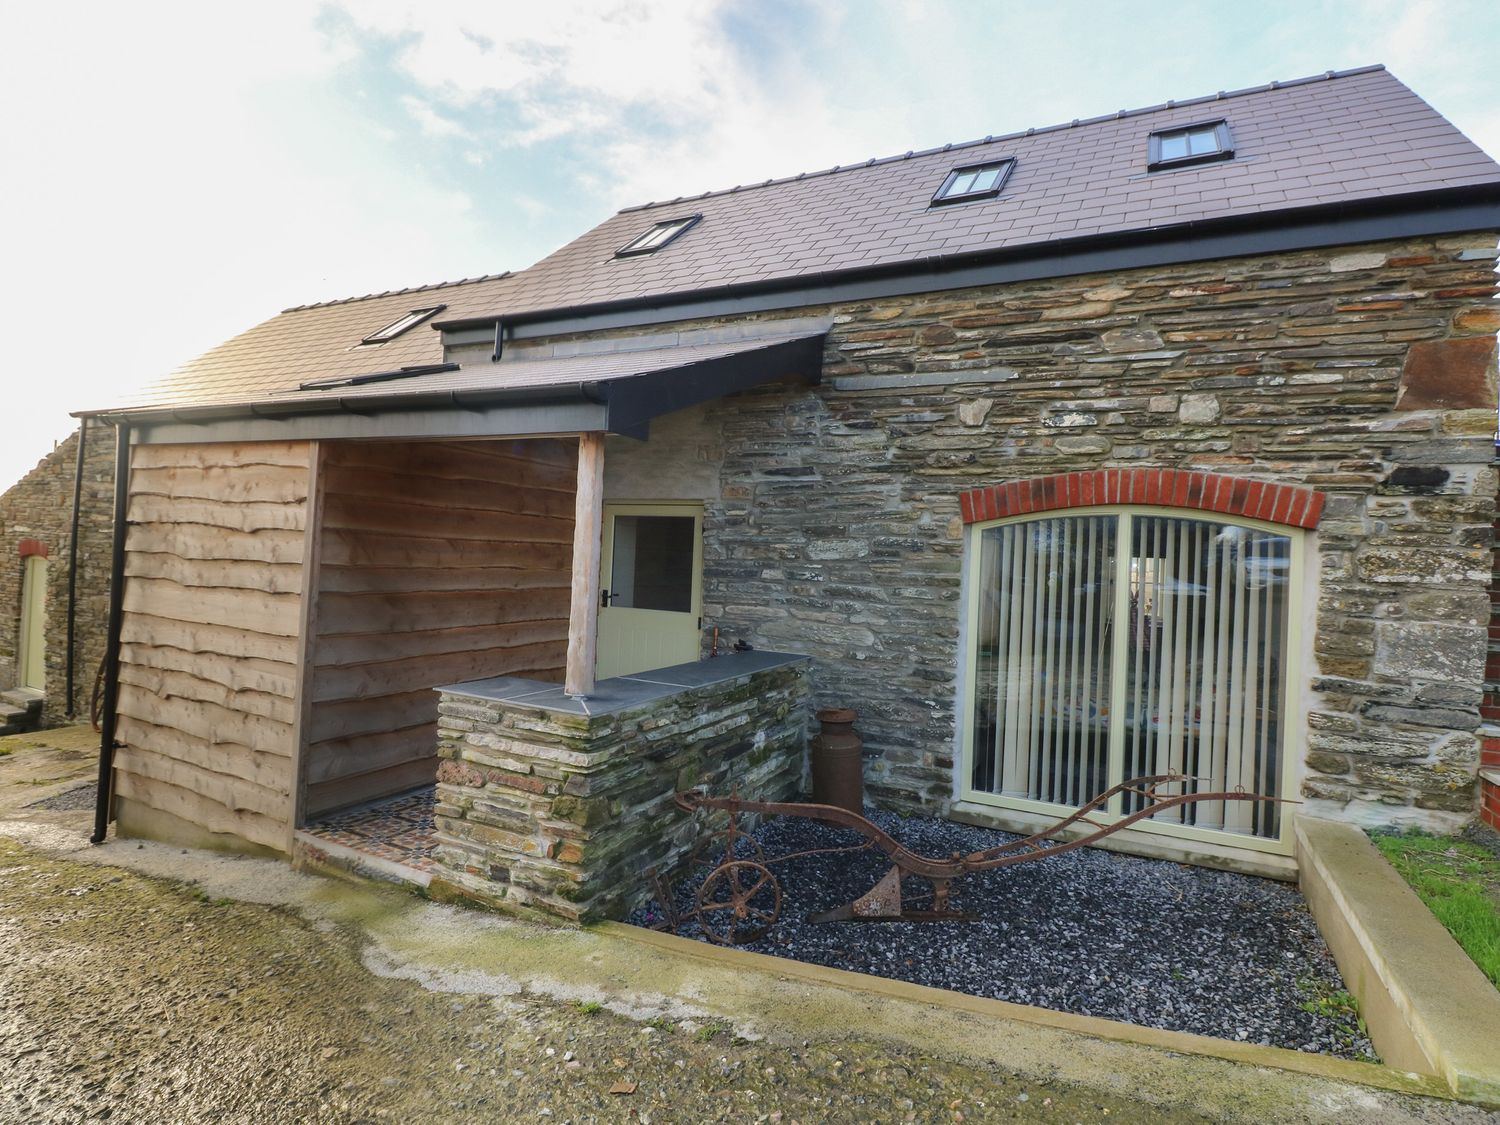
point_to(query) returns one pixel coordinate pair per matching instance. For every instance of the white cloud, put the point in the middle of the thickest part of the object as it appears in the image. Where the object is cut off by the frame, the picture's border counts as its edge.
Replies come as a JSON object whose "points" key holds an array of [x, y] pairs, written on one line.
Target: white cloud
{"points": [[179, 172], [431, 122]]}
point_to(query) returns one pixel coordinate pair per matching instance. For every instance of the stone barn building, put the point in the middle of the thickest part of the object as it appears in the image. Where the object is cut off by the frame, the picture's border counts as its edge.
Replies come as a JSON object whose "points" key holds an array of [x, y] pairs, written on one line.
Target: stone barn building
{"points": [[1158, 442], [44, 678]]}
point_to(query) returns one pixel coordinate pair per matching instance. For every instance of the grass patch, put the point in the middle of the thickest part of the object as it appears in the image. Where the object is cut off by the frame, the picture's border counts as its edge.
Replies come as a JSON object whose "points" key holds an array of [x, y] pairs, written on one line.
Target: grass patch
{"points": [[1460, 883], [709, 1031]]}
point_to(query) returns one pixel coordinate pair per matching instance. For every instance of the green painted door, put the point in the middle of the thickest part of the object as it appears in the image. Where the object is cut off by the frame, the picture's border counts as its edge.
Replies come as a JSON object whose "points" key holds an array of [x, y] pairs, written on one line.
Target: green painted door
{"points": [[33, 646], [651, 587]]}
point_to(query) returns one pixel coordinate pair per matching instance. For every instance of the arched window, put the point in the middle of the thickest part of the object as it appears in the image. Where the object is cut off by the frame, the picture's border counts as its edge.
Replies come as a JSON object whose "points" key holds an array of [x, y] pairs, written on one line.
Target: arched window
{"points": [[1129, 626]]}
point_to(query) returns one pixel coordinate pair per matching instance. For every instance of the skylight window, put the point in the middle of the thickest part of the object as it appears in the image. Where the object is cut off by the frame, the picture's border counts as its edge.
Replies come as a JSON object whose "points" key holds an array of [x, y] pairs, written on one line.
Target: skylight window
{"points": [[1192, 144], [657, 237], [396, 327], [975, 181]]}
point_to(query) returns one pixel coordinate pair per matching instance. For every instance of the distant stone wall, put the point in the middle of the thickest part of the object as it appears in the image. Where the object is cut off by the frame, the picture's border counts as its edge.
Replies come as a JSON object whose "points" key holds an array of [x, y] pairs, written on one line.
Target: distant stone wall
{"points": [[40, 507], [1366, 373], [563, 814]]}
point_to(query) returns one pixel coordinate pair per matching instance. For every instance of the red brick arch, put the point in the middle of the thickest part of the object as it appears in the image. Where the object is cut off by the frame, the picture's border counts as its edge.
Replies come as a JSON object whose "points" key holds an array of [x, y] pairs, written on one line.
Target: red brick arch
{"points": [[1167, 488], [30, 547]]}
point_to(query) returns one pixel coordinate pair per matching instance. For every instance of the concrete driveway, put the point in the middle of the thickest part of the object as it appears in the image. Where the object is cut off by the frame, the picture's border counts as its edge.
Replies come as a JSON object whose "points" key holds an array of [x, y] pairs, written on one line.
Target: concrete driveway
{"points": [[140, 982]]}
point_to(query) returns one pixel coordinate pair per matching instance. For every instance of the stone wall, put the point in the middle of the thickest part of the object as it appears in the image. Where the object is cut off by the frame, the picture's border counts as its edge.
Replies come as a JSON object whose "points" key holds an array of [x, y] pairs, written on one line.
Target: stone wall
{"points": [[1364, 372], [561, 812], [40, 506], [1489, 754]]}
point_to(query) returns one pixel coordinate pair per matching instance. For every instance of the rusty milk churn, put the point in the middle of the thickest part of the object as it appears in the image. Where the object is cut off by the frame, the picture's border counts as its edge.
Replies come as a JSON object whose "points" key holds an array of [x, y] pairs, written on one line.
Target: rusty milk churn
{"points": [[837, 761]]}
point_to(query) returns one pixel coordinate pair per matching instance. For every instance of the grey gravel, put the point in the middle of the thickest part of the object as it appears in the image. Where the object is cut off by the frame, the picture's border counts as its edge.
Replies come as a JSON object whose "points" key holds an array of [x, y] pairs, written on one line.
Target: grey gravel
{"points": [[69, 800], [1150, 942]]}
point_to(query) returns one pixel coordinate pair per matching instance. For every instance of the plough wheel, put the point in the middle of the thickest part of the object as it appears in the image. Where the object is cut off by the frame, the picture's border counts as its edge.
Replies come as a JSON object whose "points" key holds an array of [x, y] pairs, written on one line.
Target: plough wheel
{"points": [[714, 850], [738, 902]]}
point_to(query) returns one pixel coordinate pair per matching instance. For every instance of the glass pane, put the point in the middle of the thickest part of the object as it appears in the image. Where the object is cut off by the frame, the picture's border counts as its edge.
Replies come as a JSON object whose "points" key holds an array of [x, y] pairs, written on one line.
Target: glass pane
{"points": [[1202, 141], [1174, 147], [1042, 677], [1203, 695], [652, 567], [984, 179], [960, 184]]}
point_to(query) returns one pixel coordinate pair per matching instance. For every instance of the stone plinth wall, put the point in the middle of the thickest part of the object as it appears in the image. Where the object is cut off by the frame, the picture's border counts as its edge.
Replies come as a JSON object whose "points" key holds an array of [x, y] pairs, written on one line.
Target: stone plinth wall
{"points": [[40, 507], [544, 810]]}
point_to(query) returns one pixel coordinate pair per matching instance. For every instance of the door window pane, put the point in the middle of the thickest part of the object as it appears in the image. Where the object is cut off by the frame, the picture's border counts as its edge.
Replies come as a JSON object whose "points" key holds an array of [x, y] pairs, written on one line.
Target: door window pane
{"points": [[1208, 605], [1043, 676], [652, 567]]}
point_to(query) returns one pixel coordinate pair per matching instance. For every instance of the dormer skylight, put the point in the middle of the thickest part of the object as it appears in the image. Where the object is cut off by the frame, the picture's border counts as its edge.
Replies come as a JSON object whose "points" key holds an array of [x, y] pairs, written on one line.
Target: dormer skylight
{"points": [[405, 323], [1191, 144], [974, 181], [657, 237]]}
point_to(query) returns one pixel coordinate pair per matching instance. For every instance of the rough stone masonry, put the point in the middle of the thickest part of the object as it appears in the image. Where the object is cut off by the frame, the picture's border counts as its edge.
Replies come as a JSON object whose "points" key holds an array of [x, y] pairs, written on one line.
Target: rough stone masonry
{"points": [[1365, 372], [563, 813], [40, 507]]}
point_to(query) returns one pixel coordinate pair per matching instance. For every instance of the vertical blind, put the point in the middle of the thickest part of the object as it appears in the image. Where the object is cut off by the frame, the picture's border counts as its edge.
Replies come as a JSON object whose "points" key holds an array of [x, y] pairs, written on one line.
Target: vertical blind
{"points": [[1111, 646]]}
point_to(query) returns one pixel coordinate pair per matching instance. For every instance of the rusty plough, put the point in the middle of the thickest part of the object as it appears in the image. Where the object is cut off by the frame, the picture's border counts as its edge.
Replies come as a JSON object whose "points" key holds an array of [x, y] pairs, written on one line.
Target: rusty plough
{"points": [[741, 898]]}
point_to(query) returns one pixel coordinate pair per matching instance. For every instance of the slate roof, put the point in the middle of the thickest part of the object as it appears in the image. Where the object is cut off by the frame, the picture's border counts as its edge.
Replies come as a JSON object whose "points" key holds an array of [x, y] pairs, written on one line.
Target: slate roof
{"points": [[1334, 139], [1344, 138], [322, 341], [522, 372]]}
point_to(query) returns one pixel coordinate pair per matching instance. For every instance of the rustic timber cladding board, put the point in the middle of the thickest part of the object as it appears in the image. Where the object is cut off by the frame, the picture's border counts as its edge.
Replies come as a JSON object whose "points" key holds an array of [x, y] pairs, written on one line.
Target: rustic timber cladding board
{"points": [[438, 561], [210, 635]]}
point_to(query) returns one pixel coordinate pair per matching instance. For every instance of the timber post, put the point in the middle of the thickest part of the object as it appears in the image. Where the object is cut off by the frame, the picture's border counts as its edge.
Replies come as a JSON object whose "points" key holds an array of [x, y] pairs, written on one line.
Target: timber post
{"points": [[588, 526]]}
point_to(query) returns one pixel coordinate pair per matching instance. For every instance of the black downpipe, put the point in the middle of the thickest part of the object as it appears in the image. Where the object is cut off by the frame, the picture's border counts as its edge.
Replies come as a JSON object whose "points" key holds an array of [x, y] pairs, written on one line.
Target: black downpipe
{"points": [[112, 642], [83, 441]]}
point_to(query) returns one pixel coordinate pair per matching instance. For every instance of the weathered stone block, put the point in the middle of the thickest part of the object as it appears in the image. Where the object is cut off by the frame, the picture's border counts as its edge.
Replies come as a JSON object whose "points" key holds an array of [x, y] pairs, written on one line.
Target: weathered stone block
{"points": [[1429, 651], [1198, 409], [1449, 375]]}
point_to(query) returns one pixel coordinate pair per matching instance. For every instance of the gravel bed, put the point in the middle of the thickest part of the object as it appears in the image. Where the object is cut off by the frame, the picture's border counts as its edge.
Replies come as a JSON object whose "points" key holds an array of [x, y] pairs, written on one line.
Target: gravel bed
{"points": [[69, 800], [1150, 942]]}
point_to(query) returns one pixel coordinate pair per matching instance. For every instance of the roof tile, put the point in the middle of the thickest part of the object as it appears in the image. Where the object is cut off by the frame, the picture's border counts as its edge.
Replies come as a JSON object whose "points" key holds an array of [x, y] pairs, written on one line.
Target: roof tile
{"points": [[1331, 139]]}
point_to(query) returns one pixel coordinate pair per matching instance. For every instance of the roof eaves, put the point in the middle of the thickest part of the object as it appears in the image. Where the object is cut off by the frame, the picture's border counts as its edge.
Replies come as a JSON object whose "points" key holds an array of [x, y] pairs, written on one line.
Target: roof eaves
{"points": [[936, 265]]}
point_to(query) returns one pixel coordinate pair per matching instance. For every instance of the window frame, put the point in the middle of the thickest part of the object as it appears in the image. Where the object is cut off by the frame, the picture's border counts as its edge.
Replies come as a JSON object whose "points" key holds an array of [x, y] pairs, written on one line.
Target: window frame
{"points": [[633, 248], [1222, 136], [402, 325], [1294, 737], [1006, 164]]}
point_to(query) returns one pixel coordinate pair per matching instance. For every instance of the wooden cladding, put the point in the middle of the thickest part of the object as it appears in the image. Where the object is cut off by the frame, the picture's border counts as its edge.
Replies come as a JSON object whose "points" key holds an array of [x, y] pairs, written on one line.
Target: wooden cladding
{"points": [[1168, 488], [438, 562], [209, 640]]}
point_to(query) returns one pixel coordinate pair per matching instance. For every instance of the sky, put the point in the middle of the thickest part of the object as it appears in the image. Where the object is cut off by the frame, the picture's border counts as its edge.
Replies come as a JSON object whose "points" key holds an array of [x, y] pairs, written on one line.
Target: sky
{"points": [[175, 173]]}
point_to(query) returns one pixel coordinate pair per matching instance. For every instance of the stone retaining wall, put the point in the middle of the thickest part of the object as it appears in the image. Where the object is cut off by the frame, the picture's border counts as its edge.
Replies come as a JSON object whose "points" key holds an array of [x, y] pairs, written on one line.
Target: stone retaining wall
{"points": [[563, 813]]}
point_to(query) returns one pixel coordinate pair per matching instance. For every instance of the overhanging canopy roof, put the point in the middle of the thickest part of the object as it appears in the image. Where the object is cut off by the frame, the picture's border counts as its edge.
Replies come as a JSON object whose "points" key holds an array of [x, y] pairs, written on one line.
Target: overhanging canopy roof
{"points": [[606, 385]]}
